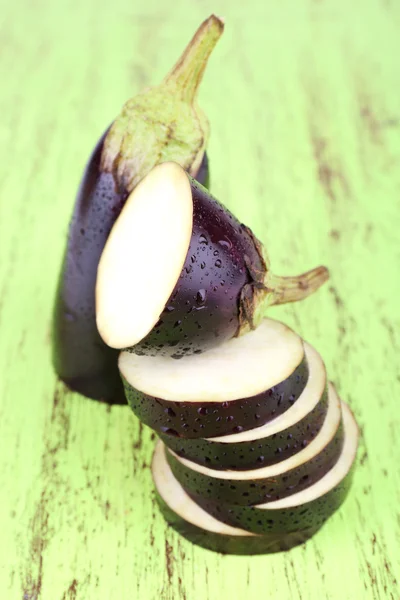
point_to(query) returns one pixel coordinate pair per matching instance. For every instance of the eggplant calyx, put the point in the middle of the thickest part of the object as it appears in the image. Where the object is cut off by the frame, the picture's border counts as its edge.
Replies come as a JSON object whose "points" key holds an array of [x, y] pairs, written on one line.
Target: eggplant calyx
{"points": [[267, 289], [164, 123]]}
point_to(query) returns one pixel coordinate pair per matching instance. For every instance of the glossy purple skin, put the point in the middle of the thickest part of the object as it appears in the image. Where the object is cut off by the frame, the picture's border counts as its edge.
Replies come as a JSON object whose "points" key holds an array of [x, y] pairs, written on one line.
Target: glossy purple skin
{"points": [[80, 357], [252, 454], [266, 489], [203, 309], [232, 544], [210, 419]]}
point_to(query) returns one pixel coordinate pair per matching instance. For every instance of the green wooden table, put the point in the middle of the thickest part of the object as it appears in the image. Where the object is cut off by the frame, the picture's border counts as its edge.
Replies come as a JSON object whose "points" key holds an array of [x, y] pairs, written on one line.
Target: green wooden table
{"points": [[304, 103]]}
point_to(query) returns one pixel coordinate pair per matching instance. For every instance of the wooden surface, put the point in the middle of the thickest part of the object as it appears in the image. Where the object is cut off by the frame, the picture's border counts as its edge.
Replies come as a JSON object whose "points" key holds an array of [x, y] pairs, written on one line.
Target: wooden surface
{"points": [[303, 99]]}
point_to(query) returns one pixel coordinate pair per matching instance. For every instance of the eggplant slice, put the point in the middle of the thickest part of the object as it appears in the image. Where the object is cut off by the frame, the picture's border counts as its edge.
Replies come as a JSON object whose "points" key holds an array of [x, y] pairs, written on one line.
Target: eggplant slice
{"points": [[237, 386], [196, 525], [306, 509], [271, 443], [268, 483]]}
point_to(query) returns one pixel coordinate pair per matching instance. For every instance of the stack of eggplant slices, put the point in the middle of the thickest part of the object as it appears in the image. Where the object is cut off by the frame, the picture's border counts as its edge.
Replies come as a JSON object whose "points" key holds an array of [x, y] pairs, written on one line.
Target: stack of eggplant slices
{"points": [[256, 448]]}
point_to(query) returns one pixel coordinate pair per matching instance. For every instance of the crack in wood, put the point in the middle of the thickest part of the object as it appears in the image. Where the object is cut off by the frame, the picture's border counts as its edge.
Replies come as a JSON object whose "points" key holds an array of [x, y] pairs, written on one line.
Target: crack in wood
{"points": [[41, 533], [169, 561], [72, 591]]}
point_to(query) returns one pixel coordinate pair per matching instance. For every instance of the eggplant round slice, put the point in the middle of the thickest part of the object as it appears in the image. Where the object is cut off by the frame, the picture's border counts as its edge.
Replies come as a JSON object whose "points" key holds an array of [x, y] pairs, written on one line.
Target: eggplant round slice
{"points": [[271, 443], [199, 527], [268, 483], [309, 508], [237, 386], [180, 274]]}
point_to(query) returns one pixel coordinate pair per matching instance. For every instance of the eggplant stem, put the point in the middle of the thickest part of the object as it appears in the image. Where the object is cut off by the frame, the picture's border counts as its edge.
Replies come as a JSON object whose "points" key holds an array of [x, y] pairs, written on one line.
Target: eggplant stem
{"points": [[188, 72], [291, 289]]}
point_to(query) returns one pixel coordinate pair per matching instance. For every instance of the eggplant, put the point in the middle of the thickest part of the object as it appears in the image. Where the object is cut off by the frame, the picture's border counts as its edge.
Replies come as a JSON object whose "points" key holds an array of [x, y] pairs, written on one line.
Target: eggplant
{"points": [[254, 486], [180, 275], [187, 518], [306, 509], [235, 387], [145, 133], [271, 443]]}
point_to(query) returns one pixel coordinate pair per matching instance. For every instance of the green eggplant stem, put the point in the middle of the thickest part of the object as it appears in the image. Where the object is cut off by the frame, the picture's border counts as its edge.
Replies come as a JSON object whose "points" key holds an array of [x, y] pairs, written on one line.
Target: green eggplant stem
{"points": [[267, 289], [282, 290], [188, 72], [270, 289], [164, 123]]}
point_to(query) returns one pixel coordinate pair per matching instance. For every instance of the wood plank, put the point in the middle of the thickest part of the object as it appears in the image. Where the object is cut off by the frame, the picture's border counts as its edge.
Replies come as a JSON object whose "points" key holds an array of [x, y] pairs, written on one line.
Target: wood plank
{"points": [[305, 112]]}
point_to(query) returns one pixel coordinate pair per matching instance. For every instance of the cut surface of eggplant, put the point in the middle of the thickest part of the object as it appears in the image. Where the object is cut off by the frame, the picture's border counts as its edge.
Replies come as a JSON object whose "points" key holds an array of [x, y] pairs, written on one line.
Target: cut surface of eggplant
{"points": [[237, 386], [180, 274], [199, 527], [309, 508], [274, 441], [268, 483], [144, 256], [239, 368]]}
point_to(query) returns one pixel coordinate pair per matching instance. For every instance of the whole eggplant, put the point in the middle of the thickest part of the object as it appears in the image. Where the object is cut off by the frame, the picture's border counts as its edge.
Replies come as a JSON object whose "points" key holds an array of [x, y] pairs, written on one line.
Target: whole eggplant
{"points": [[162, 123]]}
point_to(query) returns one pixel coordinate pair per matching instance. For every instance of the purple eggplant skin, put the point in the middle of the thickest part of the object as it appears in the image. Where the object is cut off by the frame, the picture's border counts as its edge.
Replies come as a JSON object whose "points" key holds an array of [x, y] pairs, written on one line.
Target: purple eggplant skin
{"points": [[245, 492], [220, 270], [209, 419], [80, 357], [233, 544], [284, 520], [253, 454]]}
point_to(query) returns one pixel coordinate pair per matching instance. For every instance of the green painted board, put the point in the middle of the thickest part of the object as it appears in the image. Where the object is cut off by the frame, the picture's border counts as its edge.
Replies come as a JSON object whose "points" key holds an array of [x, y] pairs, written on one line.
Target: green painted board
{"points": [[304, 102]]}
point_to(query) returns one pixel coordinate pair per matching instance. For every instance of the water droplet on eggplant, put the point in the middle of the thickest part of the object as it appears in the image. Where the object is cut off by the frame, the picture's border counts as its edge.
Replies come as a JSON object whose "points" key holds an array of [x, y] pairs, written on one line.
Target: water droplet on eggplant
{"points": [[225, 243], [170, 431], [170, 412], [201, 297]]}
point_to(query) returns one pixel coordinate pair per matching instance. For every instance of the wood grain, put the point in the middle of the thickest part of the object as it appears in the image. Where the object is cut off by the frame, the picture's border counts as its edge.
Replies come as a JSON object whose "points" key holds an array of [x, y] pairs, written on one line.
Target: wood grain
{"points": [[304, 104]]}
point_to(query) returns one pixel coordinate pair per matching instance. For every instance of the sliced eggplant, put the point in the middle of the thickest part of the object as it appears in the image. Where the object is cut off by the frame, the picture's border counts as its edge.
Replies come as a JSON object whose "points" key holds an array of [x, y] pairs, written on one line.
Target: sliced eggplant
{"points": [[271, 443], [180, 275], [80, 357], [268, 483], [234, 387], [196, 525], [306, 509]]}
